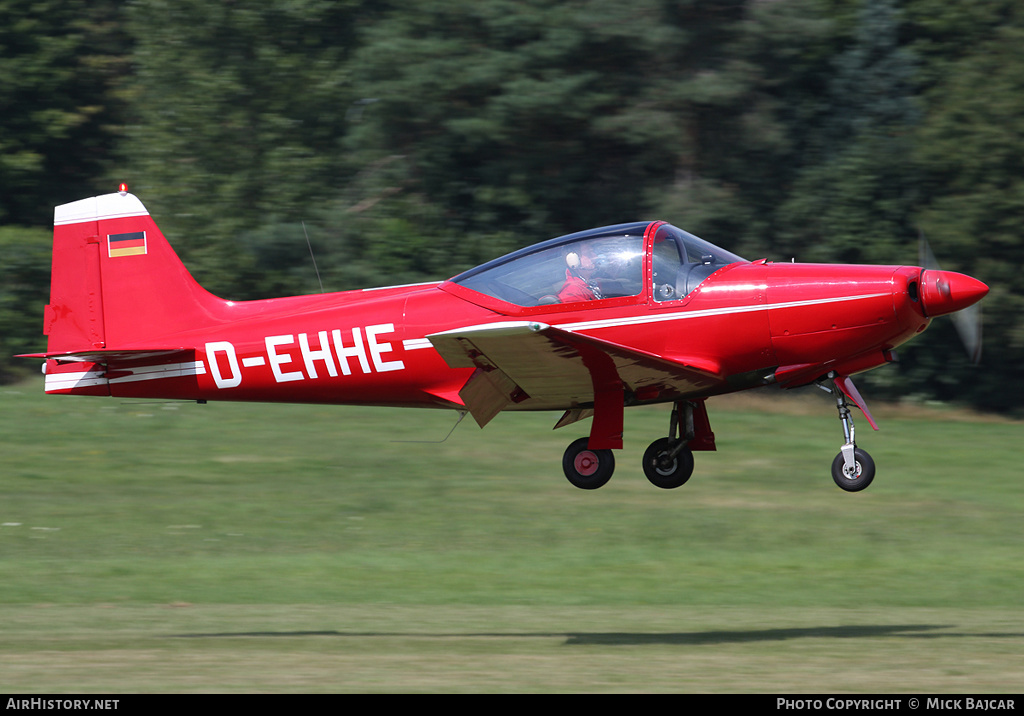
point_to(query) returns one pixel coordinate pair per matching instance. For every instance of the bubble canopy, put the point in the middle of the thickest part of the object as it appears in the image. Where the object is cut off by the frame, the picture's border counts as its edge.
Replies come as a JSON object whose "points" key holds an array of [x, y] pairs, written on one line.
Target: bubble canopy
{"points": [[599, 264]]}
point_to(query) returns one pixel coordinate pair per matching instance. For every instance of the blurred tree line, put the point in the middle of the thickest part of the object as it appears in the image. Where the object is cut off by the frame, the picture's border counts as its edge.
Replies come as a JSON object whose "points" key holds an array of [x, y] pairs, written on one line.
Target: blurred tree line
{"points": [[411, 140]]}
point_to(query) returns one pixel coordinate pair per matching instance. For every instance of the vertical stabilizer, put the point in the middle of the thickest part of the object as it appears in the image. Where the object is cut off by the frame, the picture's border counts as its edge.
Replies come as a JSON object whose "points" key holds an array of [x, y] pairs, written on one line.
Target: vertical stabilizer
{"points": [[116, 282]]}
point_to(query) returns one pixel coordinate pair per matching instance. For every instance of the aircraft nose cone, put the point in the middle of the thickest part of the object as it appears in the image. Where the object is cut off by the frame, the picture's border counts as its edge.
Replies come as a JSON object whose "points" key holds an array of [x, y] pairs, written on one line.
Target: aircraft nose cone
{"points": [[945, 292]]}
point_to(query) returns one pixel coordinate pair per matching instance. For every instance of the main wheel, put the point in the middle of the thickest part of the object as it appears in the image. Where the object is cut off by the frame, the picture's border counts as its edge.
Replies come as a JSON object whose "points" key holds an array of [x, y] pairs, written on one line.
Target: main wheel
{"points": [[865, 471], [664, 470], [585, 468]]}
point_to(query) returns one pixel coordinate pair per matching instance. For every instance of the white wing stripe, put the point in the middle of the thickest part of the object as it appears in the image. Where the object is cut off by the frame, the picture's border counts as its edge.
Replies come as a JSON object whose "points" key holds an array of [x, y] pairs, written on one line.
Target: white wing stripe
{"points": [[650, 318], [680, 315]]}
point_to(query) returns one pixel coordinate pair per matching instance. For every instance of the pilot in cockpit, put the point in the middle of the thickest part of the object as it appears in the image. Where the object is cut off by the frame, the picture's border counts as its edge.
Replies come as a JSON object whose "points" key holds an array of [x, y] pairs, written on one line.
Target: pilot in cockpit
{"points": [[604, 268], [579, 273]]}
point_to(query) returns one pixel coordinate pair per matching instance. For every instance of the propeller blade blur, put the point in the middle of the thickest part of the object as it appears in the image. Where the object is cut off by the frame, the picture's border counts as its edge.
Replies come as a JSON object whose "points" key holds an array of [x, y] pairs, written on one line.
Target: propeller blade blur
{"points": [[946, 292]]}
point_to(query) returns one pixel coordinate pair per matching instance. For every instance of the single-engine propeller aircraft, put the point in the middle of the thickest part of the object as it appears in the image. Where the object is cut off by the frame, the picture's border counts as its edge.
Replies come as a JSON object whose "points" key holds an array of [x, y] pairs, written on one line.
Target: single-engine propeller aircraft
{"points": [[585, 324]]}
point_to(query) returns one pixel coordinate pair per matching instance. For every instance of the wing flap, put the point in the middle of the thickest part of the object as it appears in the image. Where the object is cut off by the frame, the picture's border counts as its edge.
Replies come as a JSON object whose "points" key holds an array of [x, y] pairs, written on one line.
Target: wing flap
{"points": [[543, 367]]}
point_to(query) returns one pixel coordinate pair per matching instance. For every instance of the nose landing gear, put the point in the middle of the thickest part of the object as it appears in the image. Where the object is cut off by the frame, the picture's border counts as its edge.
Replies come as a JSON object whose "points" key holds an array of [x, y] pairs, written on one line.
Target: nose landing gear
{"points": [[852, 469]]}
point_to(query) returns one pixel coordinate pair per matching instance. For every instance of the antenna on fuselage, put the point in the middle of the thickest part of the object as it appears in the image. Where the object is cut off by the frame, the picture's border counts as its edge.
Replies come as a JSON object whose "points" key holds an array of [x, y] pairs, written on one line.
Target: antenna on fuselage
{"points": [[306, 233], [462, 414]]}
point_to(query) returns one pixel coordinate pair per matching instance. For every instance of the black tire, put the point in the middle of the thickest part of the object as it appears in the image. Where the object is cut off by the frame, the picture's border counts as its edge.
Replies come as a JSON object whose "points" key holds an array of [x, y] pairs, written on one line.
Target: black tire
{"points": [[585, 468], [664, 471], [865, 471]]}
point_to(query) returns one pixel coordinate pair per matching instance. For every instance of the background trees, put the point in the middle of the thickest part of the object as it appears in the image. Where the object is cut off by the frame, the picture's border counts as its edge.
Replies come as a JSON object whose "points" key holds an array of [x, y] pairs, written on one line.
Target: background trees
{"points": [[60, 66], [414, 139]]}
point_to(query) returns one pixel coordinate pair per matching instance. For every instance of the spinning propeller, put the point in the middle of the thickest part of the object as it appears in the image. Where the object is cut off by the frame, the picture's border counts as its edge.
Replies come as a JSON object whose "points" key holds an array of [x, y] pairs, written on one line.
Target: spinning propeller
{"points": [[946, 292]]}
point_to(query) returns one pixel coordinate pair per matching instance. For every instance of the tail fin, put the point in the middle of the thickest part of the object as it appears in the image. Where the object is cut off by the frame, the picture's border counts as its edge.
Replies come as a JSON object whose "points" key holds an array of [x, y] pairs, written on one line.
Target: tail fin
{"points": [[116, 284], [119, 295]]}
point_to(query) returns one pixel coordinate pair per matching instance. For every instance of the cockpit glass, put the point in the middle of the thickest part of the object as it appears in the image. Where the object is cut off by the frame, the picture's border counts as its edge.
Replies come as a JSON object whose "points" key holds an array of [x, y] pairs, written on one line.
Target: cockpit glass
{"points": [[681, 261], [584, 269], [599, 264]]}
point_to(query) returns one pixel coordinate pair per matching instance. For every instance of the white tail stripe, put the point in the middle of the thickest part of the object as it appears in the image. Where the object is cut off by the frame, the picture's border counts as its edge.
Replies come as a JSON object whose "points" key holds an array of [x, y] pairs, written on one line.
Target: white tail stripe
{"points": [[90, 378], [70, 381]]}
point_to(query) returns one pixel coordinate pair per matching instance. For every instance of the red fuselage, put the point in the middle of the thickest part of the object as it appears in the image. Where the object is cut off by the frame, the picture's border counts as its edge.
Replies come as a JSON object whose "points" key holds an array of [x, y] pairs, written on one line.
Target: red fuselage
{"points": [[670, 317], [753, 323]]}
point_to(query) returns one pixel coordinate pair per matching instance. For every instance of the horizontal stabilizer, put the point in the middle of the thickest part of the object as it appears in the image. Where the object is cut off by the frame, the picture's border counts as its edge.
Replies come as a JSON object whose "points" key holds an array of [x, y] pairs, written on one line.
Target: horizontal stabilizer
{"points": [[104, 356], [118, 372]]}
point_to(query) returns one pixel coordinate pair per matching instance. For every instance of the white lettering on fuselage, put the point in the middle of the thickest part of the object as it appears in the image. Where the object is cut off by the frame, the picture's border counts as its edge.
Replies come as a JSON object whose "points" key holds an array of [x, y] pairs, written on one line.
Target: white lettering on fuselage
{"points": [[322, 353], [277, 359], [222, 381]]}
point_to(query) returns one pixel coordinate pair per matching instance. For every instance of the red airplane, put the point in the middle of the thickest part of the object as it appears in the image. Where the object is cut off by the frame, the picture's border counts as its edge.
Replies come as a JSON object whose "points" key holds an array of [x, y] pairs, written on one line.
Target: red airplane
{"points": [[586, 324]]}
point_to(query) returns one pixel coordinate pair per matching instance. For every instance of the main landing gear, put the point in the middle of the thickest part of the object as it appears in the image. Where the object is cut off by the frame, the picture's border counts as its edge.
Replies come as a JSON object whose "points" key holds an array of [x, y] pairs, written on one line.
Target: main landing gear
{"points": [[667, 462], [853, 469], [585, 468]]}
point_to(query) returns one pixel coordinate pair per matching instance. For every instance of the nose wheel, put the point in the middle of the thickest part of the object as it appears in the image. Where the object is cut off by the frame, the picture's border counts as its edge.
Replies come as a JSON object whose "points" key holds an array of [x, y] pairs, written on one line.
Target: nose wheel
{"points": [[852, 469], [857, 477]]}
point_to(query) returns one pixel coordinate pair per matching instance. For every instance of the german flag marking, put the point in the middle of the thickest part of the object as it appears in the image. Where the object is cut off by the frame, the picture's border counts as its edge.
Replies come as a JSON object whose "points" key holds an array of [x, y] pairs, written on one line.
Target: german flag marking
{"points": [[131, 244]]}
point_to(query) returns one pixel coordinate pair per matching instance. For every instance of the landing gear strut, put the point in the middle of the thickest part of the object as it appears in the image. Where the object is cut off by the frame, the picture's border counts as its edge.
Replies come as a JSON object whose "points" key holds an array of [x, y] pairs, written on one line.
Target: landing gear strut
{"points": [[668, 462], [853, 469]]}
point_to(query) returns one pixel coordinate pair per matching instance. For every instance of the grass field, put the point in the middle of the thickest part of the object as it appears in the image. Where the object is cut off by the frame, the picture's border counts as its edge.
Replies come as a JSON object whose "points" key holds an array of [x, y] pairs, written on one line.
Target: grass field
{"points": [[151, 547]]}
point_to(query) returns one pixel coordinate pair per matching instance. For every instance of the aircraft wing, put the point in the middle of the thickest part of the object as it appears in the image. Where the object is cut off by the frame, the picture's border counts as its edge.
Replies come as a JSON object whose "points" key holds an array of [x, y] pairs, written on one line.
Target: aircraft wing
{"points": [[545, 367]]}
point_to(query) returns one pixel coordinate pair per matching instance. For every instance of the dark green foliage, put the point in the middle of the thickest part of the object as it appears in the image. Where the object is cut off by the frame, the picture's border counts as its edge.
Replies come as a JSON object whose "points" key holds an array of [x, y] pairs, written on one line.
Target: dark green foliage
{"points": [[970, 148], [544, 116], [237, 114], [852, 201], [24, 291], [60, 66]]}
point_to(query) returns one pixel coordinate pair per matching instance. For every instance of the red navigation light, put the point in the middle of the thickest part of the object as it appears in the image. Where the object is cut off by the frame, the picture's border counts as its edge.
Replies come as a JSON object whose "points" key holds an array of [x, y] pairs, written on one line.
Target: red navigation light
{"points": [[122, 188]]}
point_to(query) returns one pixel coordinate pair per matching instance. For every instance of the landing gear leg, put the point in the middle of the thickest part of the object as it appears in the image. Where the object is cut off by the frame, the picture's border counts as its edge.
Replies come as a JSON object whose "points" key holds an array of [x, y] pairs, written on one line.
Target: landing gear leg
{"points": [[853, 469], [668, 462]]}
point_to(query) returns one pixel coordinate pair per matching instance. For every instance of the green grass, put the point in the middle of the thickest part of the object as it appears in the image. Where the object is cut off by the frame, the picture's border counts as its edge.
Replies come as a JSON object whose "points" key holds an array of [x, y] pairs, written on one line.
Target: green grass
{"points": [[178, 547]]}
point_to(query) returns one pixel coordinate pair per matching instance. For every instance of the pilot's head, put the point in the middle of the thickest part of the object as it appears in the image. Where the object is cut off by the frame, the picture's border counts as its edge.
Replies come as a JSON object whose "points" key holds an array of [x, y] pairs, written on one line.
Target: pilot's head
{"points": [[579, 262]]}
